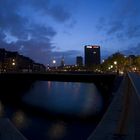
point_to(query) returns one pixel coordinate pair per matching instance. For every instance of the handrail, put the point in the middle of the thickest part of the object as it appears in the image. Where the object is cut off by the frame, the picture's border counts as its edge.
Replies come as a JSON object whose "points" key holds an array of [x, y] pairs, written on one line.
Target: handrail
{"points": [[122, 119], [132, 82]]}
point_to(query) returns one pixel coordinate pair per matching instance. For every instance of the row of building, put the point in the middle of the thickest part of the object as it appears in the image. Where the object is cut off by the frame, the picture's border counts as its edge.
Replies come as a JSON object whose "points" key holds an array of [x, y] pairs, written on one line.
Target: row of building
{"points": [[12, 61], [91, 59]]}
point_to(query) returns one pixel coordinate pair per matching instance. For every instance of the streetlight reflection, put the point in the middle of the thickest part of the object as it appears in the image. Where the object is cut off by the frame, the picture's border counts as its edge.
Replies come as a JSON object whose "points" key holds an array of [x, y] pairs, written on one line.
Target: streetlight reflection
{"points": [[19, 119], [57, 131]]}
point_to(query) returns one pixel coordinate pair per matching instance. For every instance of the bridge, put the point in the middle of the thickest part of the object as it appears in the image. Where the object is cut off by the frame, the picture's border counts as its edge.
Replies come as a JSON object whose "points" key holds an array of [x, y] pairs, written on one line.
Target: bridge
{"points": [[121, 120]]}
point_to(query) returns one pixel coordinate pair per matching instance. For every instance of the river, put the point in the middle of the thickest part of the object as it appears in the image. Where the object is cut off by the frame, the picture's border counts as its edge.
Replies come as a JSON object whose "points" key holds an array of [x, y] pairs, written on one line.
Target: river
{"points": [[55, 110]]}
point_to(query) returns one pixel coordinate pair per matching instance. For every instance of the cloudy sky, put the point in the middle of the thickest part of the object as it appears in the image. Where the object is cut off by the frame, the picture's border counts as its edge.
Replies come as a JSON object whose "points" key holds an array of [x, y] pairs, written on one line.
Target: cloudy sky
{"points": [[47, 29]]}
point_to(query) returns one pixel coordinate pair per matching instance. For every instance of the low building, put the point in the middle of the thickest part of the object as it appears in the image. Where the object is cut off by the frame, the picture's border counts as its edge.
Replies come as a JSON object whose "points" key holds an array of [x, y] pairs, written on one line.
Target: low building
{"points": [[79, 61]]}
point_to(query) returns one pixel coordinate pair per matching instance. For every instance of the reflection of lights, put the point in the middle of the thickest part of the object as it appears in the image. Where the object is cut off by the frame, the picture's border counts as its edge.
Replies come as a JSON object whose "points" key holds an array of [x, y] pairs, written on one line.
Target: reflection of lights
{"points": [[57, 131], [19, 119], [49, 84], [92, 103], [76, 91]]}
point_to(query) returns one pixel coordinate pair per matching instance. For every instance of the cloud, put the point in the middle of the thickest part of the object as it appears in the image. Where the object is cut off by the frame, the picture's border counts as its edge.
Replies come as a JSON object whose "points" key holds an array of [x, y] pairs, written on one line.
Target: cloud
{"points": [[115, 26], [21, 30], [59, 13], [123, 21], [134, 31], [133, 50]]}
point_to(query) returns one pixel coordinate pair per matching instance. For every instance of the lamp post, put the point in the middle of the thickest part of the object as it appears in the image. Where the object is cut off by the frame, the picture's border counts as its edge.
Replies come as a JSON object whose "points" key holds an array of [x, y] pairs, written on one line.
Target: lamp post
{"points": [[13, 68], [115, 63]]}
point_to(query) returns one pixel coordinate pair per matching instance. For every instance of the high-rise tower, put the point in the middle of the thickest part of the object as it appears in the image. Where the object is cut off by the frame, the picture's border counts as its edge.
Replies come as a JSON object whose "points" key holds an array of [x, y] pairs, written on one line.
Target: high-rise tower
{"points": [[92, 55], [62, 62]]}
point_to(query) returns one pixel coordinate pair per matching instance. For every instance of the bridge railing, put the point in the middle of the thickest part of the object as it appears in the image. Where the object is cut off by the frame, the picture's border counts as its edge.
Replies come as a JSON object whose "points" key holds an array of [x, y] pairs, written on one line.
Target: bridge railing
{"points": [[122, 119], [129, 123]]}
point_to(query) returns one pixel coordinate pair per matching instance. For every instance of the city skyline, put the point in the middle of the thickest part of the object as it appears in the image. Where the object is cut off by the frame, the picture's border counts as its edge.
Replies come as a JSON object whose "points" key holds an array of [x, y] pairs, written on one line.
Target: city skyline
{"points": [[48, 29]]}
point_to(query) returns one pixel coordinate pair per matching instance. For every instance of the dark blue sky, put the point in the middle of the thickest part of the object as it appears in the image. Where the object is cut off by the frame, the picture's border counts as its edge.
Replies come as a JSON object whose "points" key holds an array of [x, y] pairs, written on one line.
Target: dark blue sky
{"points": [[47, 29]]}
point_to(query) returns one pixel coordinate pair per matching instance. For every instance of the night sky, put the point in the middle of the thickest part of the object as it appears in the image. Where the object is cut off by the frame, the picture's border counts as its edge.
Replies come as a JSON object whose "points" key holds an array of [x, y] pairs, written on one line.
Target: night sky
{"points": [[47, 29]]}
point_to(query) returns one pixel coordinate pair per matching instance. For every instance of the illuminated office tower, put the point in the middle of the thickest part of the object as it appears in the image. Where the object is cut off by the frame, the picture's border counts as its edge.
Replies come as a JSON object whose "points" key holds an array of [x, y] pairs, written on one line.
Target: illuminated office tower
{"points": [[92, 55]]}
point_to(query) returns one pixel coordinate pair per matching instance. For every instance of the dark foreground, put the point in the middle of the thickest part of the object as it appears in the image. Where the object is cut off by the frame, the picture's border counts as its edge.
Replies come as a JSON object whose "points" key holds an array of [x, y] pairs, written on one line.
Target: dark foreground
{"points": [[70, 126]]}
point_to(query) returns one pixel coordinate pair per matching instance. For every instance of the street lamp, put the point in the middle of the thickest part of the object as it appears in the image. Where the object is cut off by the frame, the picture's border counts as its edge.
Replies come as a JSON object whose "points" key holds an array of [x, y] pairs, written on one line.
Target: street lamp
{"points": [[54, 62], [13, 63], [115, 63]]}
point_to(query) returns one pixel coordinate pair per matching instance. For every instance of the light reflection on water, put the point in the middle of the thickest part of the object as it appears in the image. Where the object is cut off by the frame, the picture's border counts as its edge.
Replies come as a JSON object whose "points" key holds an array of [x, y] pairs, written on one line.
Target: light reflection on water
{"points": [[65, 97]]}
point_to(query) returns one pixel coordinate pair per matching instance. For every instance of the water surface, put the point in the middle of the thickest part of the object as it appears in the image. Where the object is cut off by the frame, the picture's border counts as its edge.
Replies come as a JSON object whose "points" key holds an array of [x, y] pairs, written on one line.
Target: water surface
{"points": [[77, 100], [65, 97]]}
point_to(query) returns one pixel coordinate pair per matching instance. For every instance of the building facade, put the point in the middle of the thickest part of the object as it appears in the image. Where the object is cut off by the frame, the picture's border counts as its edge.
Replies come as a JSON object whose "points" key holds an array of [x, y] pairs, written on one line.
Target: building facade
{"points": [[79, 61], [62, 62], [14, 62], [92, 55]]}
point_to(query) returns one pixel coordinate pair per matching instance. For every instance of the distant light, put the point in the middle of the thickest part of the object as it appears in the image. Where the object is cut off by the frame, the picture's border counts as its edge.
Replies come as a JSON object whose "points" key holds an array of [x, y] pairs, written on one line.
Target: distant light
{"points": [[115, 62], [111, 66], [95, 47], [103, 60], [54, 61], [121, 72], [89, 47], [19, 119], [94, 52], [13, 63]]}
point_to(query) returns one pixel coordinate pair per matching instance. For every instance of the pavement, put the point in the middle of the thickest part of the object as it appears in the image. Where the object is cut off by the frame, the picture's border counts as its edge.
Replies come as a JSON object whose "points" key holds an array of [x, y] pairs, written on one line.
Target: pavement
{"points": [[8, 131], [122, 119]]}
